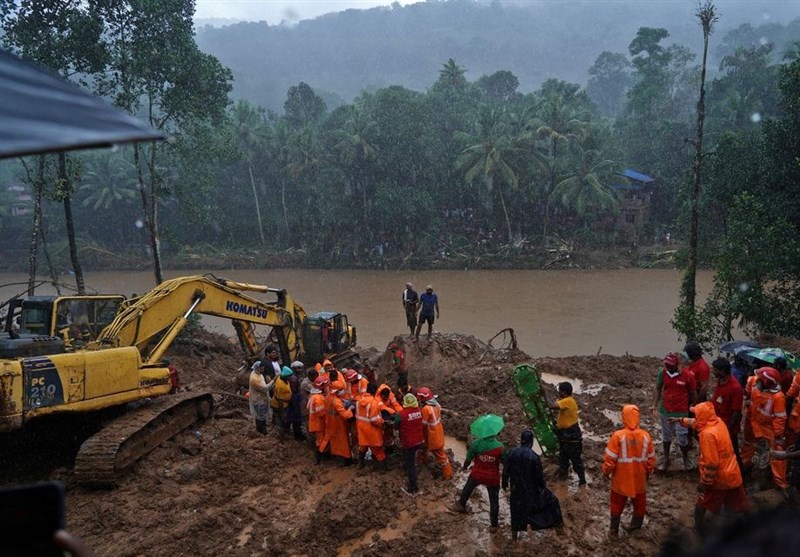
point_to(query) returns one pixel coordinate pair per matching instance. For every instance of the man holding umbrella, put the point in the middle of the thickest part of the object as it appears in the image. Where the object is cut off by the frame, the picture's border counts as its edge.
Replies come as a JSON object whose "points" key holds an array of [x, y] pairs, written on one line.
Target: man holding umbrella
{"points": [[487, 453]]}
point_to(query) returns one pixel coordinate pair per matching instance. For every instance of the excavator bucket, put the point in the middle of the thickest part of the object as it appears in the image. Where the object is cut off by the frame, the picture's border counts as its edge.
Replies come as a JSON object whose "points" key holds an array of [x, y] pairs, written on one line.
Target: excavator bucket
{"points": [[528, 384]]}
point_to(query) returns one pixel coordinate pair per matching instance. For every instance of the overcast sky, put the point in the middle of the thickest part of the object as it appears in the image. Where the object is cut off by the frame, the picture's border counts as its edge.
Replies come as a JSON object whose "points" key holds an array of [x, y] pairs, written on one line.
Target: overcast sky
{"points": [[274, 11]]}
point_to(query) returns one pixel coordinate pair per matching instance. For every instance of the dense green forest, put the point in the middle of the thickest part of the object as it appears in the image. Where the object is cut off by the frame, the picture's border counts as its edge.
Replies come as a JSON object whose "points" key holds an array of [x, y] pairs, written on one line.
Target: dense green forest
{"points": [[467, 170]]}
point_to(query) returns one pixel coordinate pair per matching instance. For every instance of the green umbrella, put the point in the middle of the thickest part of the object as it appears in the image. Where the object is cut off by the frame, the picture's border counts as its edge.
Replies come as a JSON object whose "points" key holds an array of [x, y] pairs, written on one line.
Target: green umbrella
{"points": [[769, 355], [487, 425]]}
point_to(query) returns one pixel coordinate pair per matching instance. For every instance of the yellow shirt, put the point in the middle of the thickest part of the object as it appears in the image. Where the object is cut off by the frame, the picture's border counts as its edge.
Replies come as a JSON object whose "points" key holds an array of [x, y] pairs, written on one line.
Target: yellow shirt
{"points": [[568, 413]]}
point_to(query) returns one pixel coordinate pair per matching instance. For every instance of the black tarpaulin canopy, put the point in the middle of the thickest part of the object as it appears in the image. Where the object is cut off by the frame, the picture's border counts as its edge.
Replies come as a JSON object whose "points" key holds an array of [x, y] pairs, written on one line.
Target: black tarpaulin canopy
{"points": [[40, 113]]}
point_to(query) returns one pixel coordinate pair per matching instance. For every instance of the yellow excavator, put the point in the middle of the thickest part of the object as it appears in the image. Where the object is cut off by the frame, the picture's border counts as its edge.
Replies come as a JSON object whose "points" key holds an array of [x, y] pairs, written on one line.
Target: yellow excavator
{"points": [[78, 354]]}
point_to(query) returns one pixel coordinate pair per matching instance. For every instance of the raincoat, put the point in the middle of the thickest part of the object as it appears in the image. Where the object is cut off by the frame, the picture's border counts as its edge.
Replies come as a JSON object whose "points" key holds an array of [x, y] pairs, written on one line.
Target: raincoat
{"points": [[283, 394], [337, 431], [531, 502], [369, 422], [717, 463], [767, 412], [316, 412], [432, 420], [487, 454], [630, 456]]}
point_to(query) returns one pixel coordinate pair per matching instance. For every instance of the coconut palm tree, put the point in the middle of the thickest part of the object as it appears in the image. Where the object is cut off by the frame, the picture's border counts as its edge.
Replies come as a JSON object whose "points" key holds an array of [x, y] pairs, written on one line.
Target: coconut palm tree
{"points": [[586, 189], [490, 156], [250, 134], [108, 179]]}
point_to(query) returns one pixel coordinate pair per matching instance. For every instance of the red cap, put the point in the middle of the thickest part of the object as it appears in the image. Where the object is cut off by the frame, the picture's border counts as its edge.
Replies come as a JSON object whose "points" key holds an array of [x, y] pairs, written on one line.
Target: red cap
{"points": [[321, 381], [351, 375], [671, 359], [769, 376], [424, 394]]}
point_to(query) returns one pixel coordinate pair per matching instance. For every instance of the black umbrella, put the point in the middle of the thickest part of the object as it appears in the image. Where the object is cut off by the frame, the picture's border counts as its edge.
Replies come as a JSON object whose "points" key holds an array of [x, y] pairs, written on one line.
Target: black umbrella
{"points": [[41, 113], [738, 346]]}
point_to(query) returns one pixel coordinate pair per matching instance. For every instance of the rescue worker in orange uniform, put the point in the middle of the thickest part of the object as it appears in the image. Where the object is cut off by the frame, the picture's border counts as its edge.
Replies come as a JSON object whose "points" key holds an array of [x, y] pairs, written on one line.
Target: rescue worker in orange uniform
{"points": [[720, 478], [389, 407], [316, 412], [434, 432], [630, 458], [356, 385], [748, 446], [370, 428], [768, 419], [337, 424]]}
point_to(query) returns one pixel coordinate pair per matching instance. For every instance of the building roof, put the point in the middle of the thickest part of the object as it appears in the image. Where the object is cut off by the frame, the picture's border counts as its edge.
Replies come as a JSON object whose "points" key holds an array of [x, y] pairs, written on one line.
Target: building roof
{"points": [[637, 176]]}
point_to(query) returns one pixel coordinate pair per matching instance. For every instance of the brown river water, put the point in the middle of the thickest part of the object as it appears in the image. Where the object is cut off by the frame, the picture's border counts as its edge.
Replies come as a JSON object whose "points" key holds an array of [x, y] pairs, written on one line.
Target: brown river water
{"points": [[554, 313]]}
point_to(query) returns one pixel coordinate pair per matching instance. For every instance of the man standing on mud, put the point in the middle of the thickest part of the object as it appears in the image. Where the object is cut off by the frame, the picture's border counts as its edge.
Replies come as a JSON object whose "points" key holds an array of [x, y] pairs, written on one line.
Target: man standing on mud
{"points": [[410, 301], [675, 392], [429, 303]]}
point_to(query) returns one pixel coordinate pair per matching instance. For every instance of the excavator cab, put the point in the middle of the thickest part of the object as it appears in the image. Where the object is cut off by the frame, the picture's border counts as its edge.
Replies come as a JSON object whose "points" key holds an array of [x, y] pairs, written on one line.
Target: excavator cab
{"points": [[326, 333]]}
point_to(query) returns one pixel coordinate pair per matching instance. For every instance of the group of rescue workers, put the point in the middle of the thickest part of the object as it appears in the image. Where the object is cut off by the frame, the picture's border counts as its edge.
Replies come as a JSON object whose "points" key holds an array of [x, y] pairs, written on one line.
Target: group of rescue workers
{"points": [[351, 416], [756, 400]]}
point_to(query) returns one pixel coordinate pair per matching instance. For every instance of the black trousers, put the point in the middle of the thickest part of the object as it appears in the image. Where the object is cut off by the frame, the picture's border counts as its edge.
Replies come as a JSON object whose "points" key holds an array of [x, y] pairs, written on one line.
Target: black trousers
{"points": [[494, 498], [410, 457]]}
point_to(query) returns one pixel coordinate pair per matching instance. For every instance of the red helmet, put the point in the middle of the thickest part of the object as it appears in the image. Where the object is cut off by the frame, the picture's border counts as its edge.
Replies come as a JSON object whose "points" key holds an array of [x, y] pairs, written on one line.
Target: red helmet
{"points": [[769, 376], [424, 394], [351, 375], [321, 381]]}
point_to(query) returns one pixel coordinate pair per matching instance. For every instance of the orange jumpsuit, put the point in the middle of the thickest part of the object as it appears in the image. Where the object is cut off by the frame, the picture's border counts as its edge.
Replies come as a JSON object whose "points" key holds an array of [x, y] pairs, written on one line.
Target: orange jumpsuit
{"points": [[793, 423], [768, 420], [629, 459], [370, 427], [434, 438], [719, 471], [316, 416], [337, 428], [392, 407]]}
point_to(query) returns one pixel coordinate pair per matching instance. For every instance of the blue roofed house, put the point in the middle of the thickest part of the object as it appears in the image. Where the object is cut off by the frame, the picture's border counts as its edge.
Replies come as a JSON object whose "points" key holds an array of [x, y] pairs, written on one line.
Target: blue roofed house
{"points": [[633, 191]]}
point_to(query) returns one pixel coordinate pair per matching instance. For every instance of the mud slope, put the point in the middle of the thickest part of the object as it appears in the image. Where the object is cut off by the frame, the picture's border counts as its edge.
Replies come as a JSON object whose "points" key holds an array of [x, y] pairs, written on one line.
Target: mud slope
{"points": [[222, 490]]}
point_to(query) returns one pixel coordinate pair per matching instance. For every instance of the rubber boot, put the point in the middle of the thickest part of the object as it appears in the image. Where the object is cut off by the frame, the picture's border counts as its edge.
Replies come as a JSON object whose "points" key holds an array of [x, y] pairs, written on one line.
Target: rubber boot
{"points": [[361, 461], [687, 465], [664, 464], [383, 466], [613, 530], [319, 458], [347, 462], [581, 477], [636, 524], [700, 521], [261, 427], [447, 471]]}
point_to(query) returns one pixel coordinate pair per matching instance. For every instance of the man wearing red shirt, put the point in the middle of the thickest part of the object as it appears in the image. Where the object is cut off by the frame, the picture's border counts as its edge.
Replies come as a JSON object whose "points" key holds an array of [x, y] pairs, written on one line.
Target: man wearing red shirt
{"points": [[727, 398], [412, 435], [675, 392], [699, 367], [487, 454]]}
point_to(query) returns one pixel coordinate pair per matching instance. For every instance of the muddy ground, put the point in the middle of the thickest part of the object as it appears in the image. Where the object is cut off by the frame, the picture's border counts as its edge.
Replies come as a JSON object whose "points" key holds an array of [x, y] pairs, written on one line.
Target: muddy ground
{"points": [[219, 489]]}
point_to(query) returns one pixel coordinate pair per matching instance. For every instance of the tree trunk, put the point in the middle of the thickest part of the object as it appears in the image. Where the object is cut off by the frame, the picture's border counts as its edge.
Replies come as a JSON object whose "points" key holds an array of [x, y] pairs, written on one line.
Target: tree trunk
{"points": [[73, 246], [258, 209], [38, 188], [505, 213], [690, 281], [285, 210], [146, 212], [155, 240]]}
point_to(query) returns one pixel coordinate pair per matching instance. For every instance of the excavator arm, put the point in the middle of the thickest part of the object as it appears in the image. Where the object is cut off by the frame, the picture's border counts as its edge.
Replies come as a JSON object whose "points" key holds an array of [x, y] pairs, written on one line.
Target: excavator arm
{"points": [[152, 321]]}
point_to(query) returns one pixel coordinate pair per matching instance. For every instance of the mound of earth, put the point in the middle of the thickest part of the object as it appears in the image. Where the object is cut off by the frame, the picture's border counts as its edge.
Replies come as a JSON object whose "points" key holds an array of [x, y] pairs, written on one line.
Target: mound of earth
{"points": [[220, 489]]}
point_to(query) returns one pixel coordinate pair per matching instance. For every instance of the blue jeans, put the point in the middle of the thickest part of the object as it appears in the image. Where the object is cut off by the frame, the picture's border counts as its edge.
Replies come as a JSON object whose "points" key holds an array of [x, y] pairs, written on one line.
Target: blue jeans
{"points": [[494, 498]]}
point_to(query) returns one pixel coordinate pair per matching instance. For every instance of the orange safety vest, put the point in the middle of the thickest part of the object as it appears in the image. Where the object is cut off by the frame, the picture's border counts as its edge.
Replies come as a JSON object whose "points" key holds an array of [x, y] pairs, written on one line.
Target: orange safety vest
{"points": [[316, 413], [767, 413], [392, 405], [369, 422], [630, 456], [434, 430], [357, 389]]}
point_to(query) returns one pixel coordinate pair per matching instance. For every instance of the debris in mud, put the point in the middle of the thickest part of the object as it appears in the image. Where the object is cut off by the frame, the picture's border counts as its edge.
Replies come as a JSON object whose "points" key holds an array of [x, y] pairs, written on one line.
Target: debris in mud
{"points": [[232, 492]]}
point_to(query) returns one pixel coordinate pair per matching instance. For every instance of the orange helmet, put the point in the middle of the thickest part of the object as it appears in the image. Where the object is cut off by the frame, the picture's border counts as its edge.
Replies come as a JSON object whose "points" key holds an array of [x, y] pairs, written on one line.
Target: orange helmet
{"points": [[318, 367], [327, 363], [424, 394]]}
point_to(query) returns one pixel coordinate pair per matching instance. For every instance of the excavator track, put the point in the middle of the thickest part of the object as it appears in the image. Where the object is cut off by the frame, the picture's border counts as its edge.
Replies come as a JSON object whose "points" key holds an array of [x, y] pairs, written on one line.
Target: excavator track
{"points": [[103, 457]]}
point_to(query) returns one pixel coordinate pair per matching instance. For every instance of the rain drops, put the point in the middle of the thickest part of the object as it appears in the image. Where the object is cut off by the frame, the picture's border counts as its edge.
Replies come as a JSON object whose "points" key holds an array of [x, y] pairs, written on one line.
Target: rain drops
{"points": [[744, 287], [138, 223], [755, 117]]}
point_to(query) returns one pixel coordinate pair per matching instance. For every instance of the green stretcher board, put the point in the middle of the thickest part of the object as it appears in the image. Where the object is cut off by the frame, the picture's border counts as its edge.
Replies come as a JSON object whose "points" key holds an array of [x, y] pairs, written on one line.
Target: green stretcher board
{"points": [[528, 384]]}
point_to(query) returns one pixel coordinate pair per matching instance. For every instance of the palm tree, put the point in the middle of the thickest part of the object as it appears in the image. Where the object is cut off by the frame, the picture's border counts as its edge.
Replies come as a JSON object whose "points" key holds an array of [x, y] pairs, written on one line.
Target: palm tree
{"points": [[452, 75], [586, 189], [303, 159], [108, 179], [250, 133], [353, 144], [490, 154], [558, 123]]}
